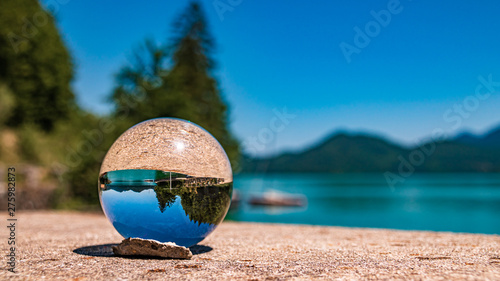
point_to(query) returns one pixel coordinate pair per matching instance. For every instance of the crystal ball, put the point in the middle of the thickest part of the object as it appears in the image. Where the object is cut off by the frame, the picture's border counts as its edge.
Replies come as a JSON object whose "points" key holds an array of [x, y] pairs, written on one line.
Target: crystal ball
{"points": [[166, 179]]}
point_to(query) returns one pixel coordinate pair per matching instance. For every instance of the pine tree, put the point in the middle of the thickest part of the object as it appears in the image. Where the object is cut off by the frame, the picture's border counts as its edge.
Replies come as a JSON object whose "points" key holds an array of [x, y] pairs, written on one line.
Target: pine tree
{"points": [[191, 78], [34, 64], [177, 81], [139, 85]]}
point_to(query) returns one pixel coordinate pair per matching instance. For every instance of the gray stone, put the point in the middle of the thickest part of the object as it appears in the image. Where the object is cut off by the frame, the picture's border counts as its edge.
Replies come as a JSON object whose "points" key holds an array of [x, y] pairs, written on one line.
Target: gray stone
{"points": [[152, 248]]}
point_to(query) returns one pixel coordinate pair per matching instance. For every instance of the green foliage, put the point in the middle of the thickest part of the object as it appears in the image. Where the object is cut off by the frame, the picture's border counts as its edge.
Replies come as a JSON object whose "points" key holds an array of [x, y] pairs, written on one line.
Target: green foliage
{"points": [[88, 140], [176, 81], [7, 103], [203, 204], [147, 89], [34, 64], [208, 204], [165, 197], [28, 144], [42, 124], [190, 79]]}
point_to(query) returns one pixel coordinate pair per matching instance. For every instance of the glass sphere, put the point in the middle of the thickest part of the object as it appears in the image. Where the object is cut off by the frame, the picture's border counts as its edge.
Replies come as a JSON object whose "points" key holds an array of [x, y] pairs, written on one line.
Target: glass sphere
{"points": [[166, 179]]}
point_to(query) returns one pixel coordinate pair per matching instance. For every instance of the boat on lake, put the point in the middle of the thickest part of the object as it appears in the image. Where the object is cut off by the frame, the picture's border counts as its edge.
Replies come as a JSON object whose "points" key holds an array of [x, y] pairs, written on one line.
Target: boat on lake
{"points": [[277, 198]]}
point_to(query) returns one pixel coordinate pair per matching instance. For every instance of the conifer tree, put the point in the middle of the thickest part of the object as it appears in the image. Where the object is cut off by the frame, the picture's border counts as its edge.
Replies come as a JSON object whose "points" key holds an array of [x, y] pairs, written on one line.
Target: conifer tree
{"points": [[34, 64], [177, 81], [191, 77]]}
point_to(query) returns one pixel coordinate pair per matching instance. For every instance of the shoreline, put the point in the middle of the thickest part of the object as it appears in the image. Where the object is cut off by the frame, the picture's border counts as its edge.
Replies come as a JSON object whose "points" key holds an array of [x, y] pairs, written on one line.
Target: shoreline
{"points": [[66, 244], [360, 227]]}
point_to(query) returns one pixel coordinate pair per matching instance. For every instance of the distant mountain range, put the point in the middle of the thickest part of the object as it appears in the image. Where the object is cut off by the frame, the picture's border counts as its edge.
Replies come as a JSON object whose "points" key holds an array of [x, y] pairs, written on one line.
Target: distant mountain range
{"points": [[492, 139], [358, 153]]}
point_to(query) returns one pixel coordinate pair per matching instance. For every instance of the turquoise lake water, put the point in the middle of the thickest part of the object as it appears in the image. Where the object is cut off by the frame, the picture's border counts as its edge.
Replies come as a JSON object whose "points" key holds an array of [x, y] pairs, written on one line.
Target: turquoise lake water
{"points": [[437, 202]]}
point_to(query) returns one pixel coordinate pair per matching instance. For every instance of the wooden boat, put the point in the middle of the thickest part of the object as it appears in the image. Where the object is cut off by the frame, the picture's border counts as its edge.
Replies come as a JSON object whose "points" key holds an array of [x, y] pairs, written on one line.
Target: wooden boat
{"points": [[274, 198]]}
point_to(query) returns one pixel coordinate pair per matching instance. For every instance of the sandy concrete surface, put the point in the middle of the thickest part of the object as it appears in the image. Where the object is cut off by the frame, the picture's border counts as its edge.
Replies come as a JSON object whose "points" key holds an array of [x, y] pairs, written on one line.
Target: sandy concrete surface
{"points": [[77, 246]]}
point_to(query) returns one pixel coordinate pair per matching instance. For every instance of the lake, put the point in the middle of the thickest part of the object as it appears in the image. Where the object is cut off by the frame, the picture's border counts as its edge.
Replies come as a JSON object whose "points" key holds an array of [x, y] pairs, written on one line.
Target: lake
{"points": [[437, 202]]}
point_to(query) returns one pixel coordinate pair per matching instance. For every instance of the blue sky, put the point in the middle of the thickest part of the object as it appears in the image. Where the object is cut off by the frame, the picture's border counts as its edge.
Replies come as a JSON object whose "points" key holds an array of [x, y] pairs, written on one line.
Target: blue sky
{"points": [[417, 72]]}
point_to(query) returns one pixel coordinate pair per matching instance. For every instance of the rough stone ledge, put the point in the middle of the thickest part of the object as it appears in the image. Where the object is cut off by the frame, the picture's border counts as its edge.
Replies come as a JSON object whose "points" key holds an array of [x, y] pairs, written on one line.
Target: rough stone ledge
{"points": [[78, 246], [151, 248]]}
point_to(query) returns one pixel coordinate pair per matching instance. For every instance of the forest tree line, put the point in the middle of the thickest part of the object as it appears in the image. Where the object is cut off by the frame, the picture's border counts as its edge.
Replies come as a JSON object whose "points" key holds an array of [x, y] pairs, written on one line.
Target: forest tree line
{"points": [[42, 125]]}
